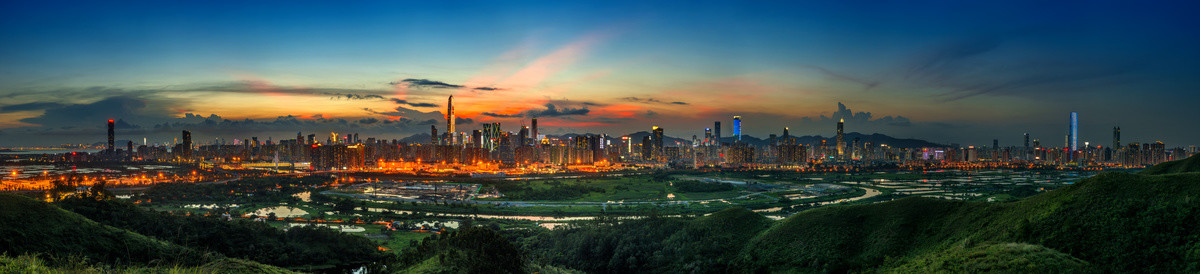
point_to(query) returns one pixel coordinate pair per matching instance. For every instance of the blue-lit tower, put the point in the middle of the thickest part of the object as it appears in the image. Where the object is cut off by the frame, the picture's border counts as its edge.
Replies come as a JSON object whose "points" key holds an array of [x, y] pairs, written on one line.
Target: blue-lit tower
{"points": [[1074, 131], [737, 128]]}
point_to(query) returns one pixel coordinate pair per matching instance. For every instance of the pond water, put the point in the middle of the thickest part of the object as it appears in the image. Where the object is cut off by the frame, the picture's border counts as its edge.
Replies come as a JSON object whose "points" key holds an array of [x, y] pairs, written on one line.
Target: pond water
{"points": [[281, 212]]}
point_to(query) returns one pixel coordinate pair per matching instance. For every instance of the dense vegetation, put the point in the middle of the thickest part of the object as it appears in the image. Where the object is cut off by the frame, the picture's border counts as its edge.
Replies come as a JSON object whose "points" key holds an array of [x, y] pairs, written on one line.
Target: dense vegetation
{"points": [[556, 191], [467, 250], [1112, 222], [28, 226], [695, 186], [297, 248], [33, 264], [259, 189], [652, 244]]}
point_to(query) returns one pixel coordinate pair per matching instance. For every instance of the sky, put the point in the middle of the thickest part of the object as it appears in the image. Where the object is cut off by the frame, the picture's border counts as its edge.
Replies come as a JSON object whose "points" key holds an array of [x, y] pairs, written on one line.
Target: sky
{"points": [[960, 72]]}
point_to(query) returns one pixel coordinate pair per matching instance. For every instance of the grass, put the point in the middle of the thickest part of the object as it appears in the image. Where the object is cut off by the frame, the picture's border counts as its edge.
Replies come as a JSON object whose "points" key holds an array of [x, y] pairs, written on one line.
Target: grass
{"points": [[31, 226], [33, 264], [1125, 222]]}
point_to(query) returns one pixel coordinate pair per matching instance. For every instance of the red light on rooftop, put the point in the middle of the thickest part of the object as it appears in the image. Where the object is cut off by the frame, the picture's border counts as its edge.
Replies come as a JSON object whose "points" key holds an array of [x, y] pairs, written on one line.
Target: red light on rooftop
{"points": [[110, 120]]}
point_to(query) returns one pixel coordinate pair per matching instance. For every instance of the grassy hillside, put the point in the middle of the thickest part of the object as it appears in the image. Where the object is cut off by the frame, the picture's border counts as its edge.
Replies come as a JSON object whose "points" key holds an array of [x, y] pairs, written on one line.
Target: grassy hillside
{"points": [[33, 264], [704, 244], [31, 226], [1116, 221], [301, 248], [1191, 164], [1002, 258]]}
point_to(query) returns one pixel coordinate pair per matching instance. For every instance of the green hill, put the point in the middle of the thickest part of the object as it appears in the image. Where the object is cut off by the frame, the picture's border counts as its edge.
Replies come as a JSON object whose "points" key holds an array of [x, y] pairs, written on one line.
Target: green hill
{"points": [[1116, 221], [1191, 164], [1111, 222], [38, 237], [30, 226], [32, 264]]}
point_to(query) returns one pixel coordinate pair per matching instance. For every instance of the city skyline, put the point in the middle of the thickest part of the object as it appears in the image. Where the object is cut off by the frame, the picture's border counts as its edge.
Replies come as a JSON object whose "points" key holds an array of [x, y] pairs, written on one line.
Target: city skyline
{"points": [[614, 69]]}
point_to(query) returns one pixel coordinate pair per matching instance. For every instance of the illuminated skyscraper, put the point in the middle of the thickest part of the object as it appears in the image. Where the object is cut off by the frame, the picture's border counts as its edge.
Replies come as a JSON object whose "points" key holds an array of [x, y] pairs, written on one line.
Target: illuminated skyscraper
{"points": [[717, 133], [841, 141], [1116, 138], [187, 145], [657, 140], [1074, 131], [737, 128], [708, 137], [450, 132], [111, 135]]}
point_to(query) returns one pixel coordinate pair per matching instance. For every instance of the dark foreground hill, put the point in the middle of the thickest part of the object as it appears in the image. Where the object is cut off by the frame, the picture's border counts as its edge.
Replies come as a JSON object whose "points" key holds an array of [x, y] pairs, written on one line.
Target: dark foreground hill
{"points": [[1112, 222], [38, 237]]}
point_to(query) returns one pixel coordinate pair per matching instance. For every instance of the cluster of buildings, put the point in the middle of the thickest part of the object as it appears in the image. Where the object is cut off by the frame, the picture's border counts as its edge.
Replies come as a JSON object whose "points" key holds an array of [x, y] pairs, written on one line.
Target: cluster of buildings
{"points": [[497, 148]]}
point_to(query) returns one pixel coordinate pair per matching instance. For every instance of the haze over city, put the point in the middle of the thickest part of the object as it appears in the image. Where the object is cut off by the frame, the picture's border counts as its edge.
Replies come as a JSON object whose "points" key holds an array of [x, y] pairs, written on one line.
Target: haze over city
{"points": [[944, 72]]}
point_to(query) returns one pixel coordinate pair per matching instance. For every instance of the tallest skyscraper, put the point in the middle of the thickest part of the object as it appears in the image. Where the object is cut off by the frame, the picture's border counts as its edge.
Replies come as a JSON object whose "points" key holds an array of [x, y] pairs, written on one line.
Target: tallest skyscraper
{"points": [[1074, 139], [450, 131]]}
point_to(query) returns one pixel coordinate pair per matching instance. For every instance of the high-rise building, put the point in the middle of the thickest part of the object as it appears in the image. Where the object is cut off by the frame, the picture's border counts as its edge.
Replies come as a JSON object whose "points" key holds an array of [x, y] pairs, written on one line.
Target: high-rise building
{"points": [[1116, 137], [657, 132], [737, 128], [717, 132], [1026, 140], [187, 145], [477, 138], [450, 131], [1074, 131], [523, 136], [535, 132], [111, 136], [433, 135], [841, 141]]}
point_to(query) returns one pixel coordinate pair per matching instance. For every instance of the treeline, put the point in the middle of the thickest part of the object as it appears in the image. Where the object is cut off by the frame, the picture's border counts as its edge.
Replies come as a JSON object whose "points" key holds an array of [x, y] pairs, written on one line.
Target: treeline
{"points": [[467, 250], [653, 244], [556, 191], [259, 189], [297, 248], [696, 186]]}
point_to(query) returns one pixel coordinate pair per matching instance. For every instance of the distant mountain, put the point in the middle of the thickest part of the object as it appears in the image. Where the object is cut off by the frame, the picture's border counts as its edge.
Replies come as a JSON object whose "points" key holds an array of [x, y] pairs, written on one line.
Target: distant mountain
{"points": [[420, 138]]}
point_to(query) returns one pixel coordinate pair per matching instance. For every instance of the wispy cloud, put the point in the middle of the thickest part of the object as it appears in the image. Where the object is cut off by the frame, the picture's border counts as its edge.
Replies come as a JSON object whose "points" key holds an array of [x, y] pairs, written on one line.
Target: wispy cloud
{"points": [[652, 101]]}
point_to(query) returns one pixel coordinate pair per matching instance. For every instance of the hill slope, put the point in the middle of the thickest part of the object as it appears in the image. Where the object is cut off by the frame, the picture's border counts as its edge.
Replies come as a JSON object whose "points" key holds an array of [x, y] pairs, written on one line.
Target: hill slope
{"points": [[1191, 164], [31, 226], [1119, 222]]}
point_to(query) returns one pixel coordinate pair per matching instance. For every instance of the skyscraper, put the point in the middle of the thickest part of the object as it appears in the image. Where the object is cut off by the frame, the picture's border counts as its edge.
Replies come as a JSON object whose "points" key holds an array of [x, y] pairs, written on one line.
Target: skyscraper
{"points": [[717, 133], [1116, 137], [523, 136], [187, 145], [737, 128], [658, 141], [450, 132], [433, 135], [841, 141], [535, 132], [1074, 132], [111, 135], [1027, 140]]}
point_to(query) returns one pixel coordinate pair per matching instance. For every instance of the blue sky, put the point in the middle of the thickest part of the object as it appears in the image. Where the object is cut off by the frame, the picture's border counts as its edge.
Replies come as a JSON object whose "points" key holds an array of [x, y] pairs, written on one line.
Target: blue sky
{"points": [[954, 71]]}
